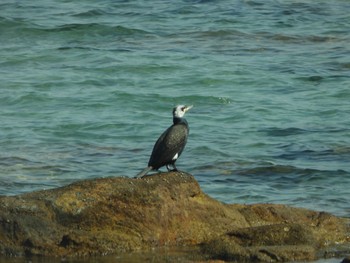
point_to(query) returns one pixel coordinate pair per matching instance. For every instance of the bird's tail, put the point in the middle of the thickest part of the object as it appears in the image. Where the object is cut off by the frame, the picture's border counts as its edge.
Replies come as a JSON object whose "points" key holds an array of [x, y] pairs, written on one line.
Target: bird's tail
{"points": [[144, 172]]}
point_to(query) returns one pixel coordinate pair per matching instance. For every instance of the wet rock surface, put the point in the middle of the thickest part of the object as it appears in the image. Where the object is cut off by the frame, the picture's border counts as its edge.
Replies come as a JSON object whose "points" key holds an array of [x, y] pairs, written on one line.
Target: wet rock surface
{"points": [[116, 215]]}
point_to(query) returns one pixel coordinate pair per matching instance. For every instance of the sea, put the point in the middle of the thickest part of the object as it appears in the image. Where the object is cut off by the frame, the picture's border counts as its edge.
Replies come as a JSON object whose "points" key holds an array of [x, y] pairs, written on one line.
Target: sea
{"points": [[87, 87]]}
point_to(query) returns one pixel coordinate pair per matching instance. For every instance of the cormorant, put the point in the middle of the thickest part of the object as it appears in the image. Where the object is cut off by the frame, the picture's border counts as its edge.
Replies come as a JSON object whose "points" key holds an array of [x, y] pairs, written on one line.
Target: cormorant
{"points": [[170, 144]]}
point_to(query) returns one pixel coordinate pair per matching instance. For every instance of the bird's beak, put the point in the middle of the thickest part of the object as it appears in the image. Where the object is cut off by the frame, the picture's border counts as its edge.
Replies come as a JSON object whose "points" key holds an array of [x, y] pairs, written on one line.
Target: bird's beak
{"points": [[187, 108]]}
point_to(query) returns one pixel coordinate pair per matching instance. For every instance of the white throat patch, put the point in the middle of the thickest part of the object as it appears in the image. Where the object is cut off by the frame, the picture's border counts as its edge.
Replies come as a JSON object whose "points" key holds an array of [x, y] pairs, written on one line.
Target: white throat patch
{"points": [[179, 111]]}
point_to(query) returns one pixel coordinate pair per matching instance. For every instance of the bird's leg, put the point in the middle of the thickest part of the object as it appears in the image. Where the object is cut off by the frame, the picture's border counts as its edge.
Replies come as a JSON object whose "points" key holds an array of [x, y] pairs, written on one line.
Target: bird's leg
{"points": [[175, 169], [171, 170]]}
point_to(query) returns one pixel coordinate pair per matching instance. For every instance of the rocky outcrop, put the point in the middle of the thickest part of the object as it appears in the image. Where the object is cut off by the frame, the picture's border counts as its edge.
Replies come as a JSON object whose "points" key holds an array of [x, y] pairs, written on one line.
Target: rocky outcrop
{"points": [[115, 215]]}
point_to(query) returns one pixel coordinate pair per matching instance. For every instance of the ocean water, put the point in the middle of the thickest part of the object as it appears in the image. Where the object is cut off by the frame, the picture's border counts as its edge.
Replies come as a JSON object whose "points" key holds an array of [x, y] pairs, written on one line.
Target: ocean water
{"points": [[86, 88]]}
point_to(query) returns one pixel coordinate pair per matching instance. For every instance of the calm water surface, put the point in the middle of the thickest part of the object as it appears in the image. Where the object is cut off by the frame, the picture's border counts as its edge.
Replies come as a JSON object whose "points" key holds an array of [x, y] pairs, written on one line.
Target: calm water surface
{"points": [[88, 86]]}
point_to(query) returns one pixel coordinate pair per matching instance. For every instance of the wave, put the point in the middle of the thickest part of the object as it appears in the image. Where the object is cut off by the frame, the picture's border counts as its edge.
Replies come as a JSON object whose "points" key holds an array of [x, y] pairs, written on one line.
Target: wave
{"points": [[30, 28], [285, 171], [91, 13], [13, 160], [101, 29], [24, 165], [276, 132], [247, 171]]}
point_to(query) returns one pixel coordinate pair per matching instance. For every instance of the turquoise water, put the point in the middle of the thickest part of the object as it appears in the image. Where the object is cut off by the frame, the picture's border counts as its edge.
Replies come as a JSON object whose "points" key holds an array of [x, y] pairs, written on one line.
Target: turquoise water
{"points": [[88, 86]]}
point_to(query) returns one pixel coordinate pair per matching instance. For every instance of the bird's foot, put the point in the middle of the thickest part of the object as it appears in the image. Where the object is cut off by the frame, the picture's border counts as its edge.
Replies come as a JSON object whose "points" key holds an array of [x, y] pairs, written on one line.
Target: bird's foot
{"points": [[174, 168], [171, 170]]}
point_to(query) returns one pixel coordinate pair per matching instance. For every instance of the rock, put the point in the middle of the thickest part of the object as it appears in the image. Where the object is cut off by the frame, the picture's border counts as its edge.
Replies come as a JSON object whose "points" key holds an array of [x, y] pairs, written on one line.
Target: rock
{"points": [[116, 215]]}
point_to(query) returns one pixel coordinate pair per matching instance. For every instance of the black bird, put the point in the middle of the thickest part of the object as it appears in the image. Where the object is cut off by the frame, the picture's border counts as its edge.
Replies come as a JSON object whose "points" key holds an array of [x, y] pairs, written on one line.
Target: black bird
{"points": [[170, 144]]}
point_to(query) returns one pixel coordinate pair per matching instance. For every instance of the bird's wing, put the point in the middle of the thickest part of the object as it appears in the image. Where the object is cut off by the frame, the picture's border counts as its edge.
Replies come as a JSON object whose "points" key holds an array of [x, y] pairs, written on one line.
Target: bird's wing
{"points": [[170, 143]]}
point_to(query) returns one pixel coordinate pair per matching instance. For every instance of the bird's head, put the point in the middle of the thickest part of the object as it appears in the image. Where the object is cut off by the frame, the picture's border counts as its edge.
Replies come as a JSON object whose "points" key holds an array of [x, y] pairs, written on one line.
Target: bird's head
{"points": [[180, 110]]}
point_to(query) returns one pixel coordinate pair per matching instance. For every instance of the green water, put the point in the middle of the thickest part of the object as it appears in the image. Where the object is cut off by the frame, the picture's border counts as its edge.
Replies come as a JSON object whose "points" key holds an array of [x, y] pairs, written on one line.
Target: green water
{"points": [[87, 87]]}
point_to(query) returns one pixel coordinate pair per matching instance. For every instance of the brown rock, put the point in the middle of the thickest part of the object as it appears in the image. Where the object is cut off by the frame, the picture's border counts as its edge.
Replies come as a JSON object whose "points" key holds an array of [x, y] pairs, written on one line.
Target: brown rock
{"points": [[115, 215]]}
